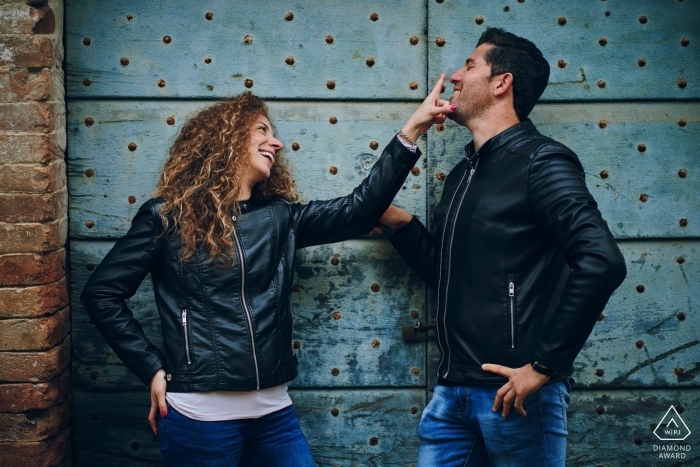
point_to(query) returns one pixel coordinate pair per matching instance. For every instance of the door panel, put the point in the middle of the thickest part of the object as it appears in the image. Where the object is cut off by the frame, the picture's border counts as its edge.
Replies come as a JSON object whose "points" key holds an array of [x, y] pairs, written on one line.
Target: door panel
{"points": [[640, 151], [593, 48], [253, 46], [361, 434], [115, 159]]}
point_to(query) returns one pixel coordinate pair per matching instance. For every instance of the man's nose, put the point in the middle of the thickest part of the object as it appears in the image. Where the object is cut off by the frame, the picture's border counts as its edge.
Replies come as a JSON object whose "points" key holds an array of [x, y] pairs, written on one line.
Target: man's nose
{"points": [[455, 77]]}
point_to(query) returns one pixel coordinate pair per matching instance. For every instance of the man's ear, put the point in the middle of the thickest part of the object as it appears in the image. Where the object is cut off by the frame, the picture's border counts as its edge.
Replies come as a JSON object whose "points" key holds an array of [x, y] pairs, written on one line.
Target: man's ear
{"points": [[503, 83]]}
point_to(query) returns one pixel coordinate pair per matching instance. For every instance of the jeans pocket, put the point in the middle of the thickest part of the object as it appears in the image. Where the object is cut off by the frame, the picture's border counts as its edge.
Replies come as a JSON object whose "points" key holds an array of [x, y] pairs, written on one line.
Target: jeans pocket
{"points": [[162, 437], [160, 421]]}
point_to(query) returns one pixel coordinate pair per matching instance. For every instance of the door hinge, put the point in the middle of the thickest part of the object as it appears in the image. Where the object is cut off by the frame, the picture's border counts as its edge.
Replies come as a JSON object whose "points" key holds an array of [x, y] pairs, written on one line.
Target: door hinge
{"points": [[417, 332]]}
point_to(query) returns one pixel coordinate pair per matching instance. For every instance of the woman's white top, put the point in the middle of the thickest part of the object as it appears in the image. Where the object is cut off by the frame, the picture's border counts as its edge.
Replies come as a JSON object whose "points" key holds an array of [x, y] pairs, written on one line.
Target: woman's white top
{"points": [[229, 405]]}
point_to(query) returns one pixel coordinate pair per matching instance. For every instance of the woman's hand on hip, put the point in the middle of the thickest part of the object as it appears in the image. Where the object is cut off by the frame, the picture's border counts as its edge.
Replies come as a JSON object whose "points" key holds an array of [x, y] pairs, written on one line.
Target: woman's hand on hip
{"points": [[432, 110], [158, 387]]}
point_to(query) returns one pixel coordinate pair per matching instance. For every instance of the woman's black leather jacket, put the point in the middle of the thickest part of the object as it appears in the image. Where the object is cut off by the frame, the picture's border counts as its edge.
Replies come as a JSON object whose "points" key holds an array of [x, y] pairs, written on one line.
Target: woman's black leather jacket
{"points": [[228, 329]]}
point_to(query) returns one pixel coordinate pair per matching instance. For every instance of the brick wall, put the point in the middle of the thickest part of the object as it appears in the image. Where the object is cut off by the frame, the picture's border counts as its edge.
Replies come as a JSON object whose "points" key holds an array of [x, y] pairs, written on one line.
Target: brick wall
{"points": [[35, 404]]}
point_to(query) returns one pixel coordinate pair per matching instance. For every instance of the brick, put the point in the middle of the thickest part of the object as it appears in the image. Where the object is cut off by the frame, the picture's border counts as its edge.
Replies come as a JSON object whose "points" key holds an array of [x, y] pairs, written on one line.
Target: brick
{"points": [[47, 453], [33, 178], [35, 425], [34, 367], [34, 333], [21, 85], [20, 397], [33, 302], [31, 116], [32, 149], [32, 269], [23, 19], [27, 51], [30, 238], [33, 208]]}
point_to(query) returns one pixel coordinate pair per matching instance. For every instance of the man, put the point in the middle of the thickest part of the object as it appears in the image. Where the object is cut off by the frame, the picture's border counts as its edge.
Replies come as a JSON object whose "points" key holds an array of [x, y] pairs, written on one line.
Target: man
{"points": [[522, 262]]}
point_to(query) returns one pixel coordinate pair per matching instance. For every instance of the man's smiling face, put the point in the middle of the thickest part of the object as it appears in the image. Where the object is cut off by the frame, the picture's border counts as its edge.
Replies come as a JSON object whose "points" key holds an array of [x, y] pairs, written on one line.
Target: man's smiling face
{"points": [[472, 90]]}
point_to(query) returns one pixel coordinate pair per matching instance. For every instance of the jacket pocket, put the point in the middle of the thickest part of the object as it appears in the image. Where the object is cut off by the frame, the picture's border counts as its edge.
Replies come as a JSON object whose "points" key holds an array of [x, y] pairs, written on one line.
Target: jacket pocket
{"points": [[511, 313]]}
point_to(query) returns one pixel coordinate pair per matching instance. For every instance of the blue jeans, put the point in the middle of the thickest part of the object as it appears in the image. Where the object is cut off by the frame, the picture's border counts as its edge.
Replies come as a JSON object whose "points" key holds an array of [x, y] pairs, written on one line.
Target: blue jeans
{"points": [[458, 428], [274, 440]]}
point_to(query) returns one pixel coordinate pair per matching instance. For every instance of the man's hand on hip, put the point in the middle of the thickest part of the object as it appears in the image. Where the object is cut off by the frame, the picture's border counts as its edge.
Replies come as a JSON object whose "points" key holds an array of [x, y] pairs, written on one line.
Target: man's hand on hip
{"points": [[522, 382]]}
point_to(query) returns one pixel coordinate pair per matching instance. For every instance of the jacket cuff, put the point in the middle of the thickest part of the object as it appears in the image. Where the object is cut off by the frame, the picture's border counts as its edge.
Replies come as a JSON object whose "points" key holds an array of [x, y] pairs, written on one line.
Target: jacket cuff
{"points": [[549, 363], [146, 370], [402, 153], [404, 237]]}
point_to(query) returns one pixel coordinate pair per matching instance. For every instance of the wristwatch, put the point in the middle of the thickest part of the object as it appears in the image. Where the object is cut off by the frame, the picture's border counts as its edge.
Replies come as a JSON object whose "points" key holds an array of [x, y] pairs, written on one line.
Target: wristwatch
{"points": [[542, 370]]}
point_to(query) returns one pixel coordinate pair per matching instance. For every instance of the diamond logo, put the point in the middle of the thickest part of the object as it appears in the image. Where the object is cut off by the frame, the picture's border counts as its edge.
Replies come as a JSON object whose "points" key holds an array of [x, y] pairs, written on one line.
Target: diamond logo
{"points": [[672, 427]]}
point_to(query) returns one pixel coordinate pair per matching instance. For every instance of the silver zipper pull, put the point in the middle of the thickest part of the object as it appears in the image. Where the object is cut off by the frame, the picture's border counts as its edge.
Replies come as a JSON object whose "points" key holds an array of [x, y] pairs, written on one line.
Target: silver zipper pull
{"points": [[511, 289], [184, 318]]}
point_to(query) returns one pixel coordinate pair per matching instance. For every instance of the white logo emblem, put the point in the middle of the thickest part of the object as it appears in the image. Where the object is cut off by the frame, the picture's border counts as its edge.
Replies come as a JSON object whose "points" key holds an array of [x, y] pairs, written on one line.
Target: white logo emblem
{"points": [[672, 427]]}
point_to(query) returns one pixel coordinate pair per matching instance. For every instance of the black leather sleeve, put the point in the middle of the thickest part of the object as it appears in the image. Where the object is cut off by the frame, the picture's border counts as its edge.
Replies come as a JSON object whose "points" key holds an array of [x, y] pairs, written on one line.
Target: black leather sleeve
{"points": [[416, 245], [350, 216], [117, 278], [562, 203]]}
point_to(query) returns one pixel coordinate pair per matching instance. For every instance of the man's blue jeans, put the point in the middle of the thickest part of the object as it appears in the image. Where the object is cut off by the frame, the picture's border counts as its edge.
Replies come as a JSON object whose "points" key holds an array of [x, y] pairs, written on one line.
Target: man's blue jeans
{"points": [[274, 440], [459, 428]]}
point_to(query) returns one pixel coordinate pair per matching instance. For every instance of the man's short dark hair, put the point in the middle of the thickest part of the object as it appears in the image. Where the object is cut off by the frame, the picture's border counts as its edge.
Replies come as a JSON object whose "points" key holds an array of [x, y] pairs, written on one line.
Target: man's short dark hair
{"points": [[521, 58]]}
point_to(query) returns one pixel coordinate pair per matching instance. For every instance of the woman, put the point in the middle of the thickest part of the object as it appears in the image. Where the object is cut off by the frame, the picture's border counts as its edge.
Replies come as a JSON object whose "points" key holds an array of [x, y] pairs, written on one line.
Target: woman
{"points": [[219, 240]]}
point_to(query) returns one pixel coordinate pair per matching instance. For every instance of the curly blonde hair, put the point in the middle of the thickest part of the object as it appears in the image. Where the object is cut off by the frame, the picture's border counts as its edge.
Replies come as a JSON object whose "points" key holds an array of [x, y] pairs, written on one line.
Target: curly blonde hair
{"points": [[202, 178]]}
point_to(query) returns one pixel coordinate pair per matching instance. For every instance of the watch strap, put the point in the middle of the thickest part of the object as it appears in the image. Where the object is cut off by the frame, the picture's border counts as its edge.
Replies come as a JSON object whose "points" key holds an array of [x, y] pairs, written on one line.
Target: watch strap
{"points": [[542, 370]]}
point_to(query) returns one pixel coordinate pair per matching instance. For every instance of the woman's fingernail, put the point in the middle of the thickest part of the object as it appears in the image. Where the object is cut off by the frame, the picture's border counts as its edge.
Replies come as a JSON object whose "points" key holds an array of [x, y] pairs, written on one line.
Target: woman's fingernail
{"points": [[452, 107], [163, 413]]}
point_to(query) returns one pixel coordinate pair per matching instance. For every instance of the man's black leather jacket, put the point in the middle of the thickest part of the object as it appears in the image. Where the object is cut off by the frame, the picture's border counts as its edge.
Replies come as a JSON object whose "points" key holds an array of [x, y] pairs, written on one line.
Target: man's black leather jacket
{"points": [[522, 261], [228, 329]]}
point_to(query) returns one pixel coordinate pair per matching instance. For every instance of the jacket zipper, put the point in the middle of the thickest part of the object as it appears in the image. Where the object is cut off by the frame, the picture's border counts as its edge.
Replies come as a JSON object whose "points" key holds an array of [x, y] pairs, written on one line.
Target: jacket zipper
{"points": [[245, 306], [184, 329], [511, 305], [449, 261], [292, 315]]}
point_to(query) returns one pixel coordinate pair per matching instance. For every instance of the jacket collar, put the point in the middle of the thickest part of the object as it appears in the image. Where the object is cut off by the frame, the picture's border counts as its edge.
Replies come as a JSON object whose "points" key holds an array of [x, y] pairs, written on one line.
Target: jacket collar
{"points": [[500, 140]]}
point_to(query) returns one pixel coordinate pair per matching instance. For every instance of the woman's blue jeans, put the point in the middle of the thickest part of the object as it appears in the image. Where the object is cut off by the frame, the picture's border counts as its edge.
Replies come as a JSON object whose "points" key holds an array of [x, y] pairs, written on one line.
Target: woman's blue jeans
{"points": [[274, 440], [459, 428]]}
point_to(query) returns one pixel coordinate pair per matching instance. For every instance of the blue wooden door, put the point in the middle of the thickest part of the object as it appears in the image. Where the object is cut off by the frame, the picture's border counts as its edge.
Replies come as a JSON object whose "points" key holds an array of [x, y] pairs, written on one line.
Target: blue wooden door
{"points": [[341, 78]]}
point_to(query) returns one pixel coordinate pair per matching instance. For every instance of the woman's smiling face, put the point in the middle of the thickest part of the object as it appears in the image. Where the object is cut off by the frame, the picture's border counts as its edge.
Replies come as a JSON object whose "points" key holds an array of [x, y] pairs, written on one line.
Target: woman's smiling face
{"points": [[262, 150]]}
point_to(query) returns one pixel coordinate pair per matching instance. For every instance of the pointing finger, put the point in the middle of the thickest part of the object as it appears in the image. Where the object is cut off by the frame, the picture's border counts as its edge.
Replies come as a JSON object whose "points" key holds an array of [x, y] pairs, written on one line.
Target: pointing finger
{"points": [[498, 369], [438, 86]]}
